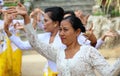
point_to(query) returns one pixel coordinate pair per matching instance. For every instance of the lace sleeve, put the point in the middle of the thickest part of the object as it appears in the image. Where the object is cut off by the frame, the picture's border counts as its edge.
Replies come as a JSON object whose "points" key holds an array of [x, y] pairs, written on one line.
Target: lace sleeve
{"points": [[101, 65], [44, 49]]}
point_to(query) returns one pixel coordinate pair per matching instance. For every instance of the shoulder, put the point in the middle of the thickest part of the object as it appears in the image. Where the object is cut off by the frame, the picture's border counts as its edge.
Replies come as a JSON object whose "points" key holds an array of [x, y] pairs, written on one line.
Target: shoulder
{"points": [[88, 49], [91, 52]]}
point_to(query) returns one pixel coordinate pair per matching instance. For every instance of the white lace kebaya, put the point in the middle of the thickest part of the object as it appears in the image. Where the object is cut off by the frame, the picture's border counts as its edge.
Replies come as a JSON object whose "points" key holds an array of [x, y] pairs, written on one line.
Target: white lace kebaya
{"points": [[83, 62]]}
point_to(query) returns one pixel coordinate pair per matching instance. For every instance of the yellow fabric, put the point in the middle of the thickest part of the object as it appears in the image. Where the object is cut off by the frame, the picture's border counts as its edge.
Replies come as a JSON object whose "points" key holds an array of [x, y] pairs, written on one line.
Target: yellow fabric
{"points": [[6, 60], [50, 73], [2, 64], [17, 60], [10, 61]]}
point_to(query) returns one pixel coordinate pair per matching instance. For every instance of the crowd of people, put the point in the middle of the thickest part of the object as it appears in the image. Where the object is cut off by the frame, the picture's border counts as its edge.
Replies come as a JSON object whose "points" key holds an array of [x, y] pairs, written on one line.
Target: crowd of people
{"points": [[69, 46]]}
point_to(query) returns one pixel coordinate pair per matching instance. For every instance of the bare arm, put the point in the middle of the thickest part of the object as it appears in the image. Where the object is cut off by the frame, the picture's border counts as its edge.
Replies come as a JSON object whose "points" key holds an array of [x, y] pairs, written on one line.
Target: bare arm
{"points": [[101, 40]]}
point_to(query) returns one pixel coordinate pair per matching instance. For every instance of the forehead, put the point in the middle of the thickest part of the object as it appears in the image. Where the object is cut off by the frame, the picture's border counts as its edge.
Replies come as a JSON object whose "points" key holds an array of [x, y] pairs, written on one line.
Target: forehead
{"points": [[47, 15], [65, 23]]}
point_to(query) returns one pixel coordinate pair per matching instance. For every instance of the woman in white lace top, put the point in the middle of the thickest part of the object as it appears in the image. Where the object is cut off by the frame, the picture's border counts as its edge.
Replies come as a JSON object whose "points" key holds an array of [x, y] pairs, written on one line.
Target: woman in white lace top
{"points": [[74, 60]]}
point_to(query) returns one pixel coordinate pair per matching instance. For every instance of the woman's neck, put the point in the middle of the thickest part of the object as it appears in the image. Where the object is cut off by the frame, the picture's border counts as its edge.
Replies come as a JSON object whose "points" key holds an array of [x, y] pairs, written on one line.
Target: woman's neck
{"points": [[72, 46], [71, 50], [53, 34]]}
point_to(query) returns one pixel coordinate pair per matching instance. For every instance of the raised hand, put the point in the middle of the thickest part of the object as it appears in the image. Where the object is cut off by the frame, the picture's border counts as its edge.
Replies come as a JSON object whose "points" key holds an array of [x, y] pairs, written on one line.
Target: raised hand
{"points": [[36, 13], [8, 18], [39, 13], [81, 16], [18, 10], [90, 35], [89, 31], [18, 26], [21, 10], [108, 33]]}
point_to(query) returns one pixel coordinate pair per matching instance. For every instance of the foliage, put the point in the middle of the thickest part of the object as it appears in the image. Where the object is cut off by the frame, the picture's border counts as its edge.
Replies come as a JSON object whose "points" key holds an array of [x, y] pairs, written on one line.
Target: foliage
{"points": [[115, 13], [10, 4], [109, 7], [99, 13]]}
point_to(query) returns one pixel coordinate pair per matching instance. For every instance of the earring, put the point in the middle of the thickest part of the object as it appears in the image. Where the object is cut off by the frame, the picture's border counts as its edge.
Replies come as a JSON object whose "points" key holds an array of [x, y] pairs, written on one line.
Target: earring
{"points": [[55, 25]]}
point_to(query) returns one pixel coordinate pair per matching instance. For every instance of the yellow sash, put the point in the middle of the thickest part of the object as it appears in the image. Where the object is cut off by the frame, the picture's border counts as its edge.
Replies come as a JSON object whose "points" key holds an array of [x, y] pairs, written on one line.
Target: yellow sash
{"points": [[50, 73], [10, 61]]}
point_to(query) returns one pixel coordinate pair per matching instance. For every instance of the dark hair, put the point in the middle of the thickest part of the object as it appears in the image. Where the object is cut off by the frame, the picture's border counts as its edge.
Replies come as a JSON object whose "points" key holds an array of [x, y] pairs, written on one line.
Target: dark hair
{"points": [[56, 13], [69, 12], [75, 22]]}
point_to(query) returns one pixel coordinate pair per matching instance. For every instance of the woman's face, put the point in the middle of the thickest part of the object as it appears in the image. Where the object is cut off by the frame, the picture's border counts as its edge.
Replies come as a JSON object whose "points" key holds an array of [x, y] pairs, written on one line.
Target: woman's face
{"points": [[49, 25], [67, 34]]}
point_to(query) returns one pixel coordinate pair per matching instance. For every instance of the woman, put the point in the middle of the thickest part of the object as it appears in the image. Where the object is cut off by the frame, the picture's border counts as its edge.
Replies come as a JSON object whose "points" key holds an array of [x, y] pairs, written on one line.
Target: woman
{"points": [[88, 38], [74, 60], [52, 19]]}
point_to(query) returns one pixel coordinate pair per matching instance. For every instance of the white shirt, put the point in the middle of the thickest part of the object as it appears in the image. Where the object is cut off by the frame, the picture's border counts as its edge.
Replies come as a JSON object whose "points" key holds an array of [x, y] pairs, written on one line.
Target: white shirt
{"points": [[1, 25], [83, 40], [83, 62], [45, 37]]}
